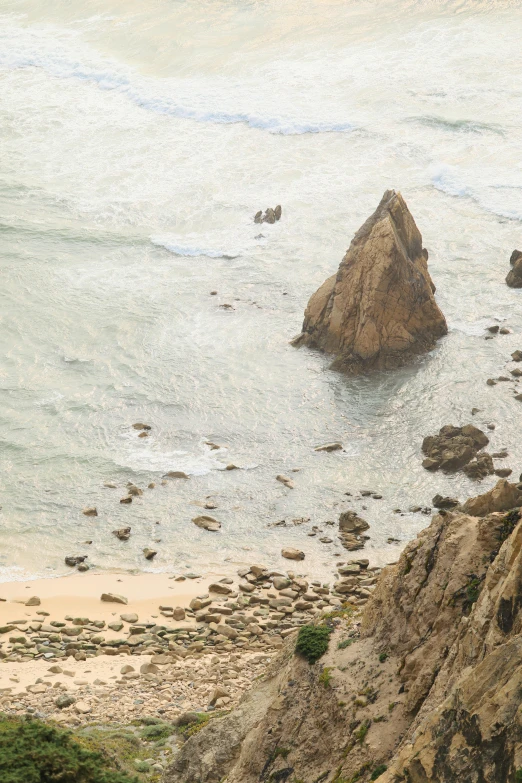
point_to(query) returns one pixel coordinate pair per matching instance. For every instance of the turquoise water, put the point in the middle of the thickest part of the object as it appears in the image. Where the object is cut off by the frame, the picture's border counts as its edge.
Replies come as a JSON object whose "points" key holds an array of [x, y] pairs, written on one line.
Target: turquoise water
{"points": [[136, 143]]}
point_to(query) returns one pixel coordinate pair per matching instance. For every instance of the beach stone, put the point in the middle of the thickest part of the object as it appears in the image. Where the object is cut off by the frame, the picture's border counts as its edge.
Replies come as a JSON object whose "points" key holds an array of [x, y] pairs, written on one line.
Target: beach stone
{"points": [[123, 533], [444, 502], [218, 587], [90, 511], [350, 522], [129, 617], [82, 567], [285, 480], [33, 601], [292, 554], [134, 491], [114, 598], [178, 613], [127, 668], [110, 485], [150, 554], [115, 626], [66, 700], [329, 447], [219, 692], [281, 582], [74, 560], [140, 426], [176, 474], [82, 708], [207, 523]]}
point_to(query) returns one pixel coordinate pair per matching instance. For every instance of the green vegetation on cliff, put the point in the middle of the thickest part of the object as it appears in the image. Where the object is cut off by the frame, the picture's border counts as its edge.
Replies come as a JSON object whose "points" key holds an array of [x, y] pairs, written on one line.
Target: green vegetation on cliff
{"points": [[36, 752]]}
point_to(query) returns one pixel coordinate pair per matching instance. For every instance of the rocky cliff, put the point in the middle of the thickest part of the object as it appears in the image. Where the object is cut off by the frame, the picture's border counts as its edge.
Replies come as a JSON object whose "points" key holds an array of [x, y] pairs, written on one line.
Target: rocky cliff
{"points": [[425, 685], [378, 310]]}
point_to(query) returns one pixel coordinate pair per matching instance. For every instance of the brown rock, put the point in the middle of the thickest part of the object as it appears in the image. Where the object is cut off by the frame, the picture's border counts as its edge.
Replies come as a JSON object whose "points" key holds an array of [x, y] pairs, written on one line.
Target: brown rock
{"points": [[292, 554], [378, 310], [514, 276], [454, 447], [123, 533], [175, 474], [207, 523], [114, 598], [90, 512]]}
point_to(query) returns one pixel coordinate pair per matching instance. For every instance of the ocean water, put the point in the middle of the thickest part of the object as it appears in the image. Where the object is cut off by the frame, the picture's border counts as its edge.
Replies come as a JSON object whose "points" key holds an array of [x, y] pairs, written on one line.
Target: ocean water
{"points": [[137, 140]]}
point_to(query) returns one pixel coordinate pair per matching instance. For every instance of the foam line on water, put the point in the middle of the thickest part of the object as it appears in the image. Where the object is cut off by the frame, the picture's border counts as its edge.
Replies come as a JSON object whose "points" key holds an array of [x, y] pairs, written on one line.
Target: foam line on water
{"points": [[447, 180], [33, 51]]}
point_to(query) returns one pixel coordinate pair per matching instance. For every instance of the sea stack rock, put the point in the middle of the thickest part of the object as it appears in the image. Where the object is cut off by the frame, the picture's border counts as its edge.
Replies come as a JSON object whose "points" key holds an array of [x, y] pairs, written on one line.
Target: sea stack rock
{"points": [[378, 310], [514, 277]]}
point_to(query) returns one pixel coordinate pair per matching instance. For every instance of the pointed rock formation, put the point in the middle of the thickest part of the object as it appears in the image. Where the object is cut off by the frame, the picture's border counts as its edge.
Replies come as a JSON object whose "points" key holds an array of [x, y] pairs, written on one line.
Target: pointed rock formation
{"points": [[378, 310]]}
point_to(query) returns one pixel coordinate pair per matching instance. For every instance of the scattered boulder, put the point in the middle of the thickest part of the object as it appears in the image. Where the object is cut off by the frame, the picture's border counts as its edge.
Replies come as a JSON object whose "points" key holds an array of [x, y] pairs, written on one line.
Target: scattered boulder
{"points": [[285, 480], [123, 533], [514, 276], [292, 554], [66, 700], [140, 426], [378, 311], [90, 511], [219, 587], [454, 448], [74, 560], [33, 601], [350, 528], [175, 474], [150, 554], [480, 467], [444, 502], [114, 598], [207, 523], [517, 356], [130, 617], [329, 447], [178, 613], [270, 216], [126, 500]]}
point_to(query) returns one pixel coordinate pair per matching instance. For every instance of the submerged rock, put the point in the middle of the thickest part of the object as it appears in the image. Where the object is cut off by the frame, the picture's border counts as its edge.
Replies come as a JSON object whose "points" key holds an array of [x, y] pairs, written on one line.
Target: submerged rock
{"points": [[378, 310], [514, 276]]}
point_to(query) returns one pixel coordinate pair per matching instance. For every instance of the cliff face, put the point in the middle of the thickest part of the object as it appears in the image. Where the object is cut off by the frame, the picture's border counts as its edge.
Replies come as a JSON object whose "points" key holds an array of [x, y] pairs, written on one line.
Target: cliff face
{"points": [[424, 686], [378, 310]]}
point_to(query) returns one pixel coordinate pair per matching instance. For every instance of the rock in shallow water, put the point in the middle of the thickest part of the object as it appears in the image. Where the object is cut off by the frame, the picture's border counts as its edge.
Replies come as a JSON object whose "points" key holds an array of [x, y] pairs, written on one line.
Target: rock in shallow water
{"points": [[514, 276], [378, 310], [207, 523]]}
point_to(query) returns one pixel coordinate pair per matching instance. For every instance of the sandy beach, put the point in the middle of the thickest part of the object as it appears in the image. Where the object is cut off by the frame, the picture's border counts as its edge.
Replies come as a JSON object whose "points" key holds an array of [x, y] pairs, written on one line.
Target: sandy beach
{"points": [[79, 595]]}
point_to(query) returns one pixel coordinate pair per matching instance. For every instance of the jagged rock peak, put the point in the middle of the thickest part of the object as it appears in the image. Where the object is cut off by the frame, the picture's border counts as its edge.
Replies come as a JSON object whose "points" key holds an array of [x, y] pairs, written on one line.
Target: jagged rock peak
{"points": [[378, 310]]}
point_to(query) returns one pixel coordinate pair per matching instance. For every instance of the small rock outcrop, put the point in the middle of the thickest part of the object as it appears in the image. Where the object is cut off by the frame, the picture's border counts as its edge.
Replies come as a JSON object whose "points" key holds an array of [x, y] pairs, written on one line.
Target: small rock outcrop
{"points": [[350, 528], [270, 216], [457, 448], [378, 311], [514, 276]]}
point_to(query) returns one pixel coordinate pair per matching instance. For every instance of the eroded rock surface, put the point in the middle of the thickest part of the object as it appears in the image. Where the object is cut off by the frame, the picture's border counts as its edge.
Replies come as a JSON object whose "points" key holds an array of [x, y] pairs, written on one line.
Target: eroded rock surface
{"points": [[378, 310], [456, 448], [425, 686]]}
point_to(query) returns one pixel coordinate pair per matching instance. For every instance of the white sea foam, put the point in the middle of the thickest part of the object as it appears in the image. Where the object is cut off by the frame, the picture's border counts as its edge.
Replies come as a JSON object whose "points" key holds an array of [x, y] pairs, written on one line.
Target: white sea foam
{"points": [[22, 49]]}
